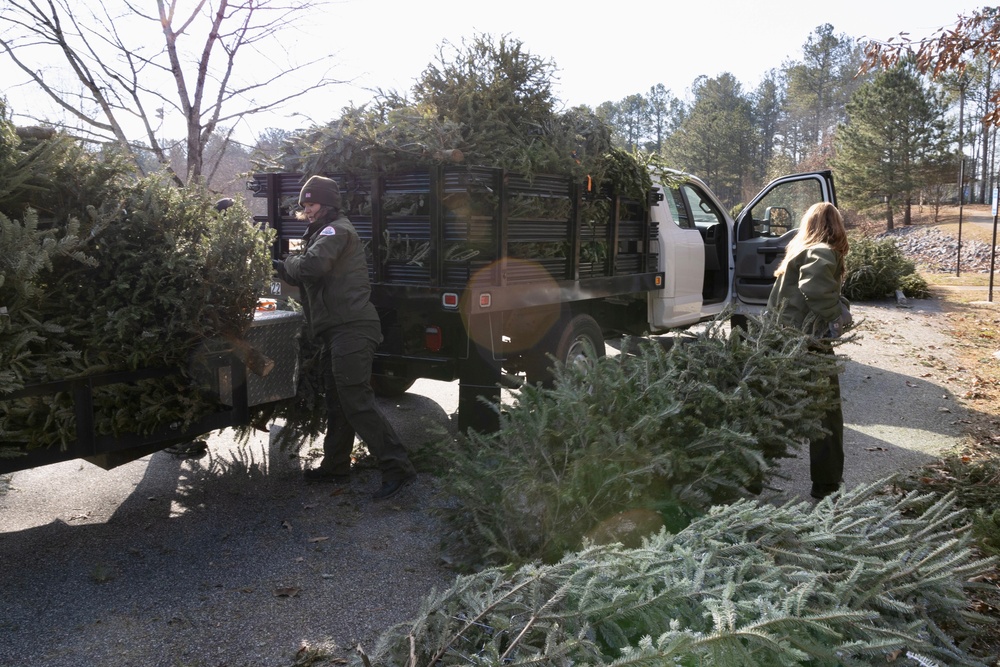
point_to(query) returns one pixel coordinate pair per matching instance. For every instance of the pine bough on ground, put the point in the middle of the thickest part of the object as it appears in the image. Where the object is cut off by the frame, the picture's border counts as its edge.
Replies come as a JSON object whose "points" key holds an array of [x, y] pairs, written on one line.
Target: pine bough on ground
{"points": [[666, 431], [856, 580]]}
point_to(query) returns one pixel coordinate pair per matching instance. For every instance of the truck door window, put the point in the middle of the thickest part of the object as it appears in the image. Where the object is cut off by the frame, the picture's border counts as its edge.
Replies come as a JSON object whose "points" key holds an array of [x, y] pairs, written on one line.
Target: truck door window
{"points": [[703, 210], [678, 210], [781, 209]]}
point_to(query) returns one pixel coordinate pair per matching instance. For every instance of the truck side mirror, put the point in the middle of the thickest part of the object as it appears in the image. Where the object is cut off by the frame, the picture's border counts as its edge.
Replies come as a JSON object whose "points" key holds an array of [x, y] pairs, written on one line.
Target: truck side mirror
{"points": [[776, 216]]}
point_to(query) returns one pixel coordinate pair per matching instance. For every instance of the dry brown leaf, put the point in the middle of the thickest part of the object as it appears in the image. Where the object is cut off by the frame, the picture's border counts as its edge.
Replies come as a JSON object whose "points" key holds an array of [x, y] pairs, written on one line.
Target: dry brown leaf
{"points": [[287, 592]]}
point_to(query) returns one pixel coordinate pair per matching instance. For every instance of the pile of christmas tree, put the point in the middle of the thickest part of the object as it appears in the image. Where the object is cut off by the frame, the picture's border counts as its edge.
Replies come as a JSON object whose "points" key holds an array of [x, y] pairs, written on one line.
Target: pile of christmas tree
{"points": [[103, 271]]}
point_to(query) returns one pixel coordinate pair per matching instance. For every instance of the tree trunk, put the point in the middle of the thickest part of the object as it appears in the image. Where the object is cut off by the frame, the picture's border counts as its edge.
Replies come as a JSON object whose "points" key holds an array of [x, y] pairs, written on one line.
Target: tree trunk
{"points": [[908, 212], [888, 214]]}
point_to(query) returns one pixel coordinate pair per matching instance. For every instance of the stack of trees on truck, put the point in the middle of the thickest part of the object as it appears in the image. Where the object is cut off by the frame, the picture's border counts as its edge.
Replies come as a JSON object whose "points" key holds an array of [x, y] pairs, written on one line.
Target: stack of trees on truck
{"points": [[497, 226]]}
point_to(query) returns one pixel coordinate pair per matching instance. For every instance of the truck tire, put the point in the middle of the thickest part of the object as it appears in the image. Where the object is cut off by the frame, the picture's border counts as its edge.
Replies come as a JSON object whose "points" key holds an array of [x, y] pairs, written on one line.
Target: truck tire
{"points": [[390, 386], [579, 341]]}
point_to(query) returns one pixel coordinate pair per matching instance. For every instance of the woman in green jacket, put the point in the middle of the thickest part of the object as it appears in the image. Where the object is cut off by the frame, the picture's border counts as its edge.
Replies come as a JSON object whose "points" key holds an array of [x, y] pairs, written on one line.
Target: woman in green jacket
{"points": [[807, 294]]}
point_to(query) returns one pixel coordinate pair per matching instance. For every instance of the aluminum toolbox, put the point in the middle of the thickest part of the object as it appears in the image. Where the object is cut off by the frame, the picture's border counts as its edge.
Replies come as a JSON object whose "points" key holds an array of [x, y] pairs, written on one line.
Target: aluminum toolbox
{"points": [[275, 334]]}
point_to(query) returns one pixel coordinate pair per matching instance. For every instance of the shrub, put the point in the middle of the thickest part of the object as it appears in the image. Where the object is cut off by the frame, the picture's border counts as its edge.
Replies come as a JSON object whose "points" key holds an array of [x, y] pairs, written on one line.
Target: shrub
{"points": [[914, 286], [876, 268], [671, 430]]}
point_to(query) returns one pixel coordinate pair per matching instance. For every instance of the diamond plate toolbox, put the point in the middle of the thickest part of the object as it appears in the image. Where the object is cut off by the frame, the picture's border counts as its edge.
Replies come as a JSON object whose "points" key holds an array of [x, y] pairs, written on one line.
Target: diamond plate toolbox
{"points": [[275, 334]]}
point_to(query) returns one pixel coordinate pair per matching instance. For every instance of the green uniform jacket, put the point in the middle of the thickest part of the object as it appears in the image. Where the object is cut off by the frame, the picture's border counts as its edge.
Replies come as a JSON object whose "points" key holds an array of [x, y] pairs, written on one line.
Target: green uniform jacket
{"points": [[332, 274], [809, 289]]}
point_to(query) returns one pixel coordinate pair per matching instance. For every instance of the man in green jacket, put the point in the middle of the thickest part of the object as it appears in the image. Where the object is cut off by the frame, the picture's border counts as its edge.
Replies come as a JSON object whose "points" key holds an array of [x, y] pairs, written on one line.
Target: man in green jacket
{"points": [[332, 275]]}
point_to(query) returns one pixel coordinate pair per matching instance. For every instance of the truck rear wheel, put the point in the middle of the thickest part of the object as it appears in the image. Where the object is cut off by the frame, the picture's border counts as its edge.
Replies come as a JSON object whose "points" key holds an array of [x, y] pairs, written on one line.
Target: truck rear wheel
{"points": [[390, 386], [579, 341]]}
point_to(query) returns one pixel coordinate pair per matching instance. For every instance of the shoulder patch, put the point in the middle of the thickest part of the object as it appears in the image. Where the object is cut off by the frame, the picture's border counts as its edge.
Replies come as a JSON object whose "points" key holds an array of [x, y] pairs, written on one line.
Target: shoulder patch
{"points": [[328, 231]]}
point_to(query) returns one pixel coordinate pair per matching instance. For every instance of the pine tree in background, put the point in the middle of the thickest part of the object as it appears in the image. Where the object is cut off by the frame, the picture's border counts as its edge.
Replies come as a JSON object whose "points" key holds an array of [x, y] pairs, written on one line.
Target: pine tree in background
{"points": [[894, 125]]}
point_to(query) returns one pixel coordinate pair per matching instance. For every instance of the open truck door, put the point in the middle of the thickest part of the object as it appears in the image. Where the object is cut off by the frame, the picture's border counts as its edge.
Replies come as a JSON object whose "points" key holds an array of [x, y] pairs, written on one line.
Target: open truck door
{"points": [[764, 228]]}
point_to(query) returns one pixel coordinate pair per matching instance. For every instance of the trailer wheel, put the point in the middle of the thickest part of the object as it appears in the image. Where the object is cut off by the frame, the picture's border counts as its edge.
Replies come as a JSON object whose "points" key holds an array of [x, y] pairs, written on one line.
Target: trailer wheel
{"points": [[580, 341], [390, 386]]}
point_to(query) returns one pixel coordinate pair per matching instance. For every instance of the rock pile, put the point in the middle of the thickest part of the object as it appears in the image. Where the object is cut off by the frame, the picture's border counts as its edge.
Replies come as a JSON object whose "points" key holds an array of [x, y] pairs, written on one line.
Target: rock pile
{"points": [[936, 251]]}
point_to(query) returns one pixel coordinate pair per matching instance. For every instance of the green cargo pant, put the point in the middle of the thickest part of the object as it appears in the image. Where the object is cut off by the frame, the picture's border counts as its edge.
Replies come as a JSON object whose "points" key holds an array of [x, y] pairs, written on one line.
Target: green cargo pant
{"points": [[350, 403]]}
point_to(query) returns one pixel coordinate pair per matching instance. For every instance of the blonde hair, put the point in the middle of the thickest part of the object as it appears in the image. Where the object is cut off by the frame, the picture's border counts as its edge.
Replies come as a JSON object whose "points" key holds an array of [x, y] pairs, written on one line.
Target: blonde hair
{"points": [[324, 211], [822, 224]]}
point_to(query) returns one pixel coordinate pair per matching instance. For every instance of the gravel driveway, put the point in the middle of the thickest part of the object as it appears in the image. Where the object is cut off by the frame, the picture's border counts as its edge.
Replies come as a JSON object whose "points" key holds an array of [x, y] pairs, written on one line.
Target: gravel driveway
{"points": [[230, 560]]}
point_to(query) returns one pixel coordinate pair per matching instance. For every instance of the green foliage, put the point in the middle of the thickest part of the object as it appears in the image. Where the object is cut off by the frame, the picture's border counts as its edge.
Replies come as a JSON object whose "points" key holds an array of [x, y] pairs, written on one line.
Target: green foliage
{"points": [[485, 102], [856, 580], [914, 286], [986, 529], [821, 84], [149, 276], [672, 430], [876, 268], [55, 175], [974, 480], [895, 126], [716, 136], [29, 343]]}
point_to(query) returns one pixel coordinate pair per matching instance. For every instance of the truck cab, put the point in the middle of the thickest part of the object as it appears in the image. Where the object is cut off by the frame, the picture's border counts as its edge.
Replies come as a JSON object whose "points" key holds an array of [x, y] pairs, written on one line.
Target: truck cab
{"points": [[712, 261]]}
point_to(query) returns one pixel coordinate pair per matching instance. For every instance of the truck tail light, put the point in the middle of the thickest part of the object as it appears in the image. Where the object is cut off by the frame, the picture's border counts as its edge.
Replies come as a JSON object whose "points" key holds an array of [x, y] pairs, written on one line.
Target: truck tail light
{"points": [[449, 300], [433, 340]]}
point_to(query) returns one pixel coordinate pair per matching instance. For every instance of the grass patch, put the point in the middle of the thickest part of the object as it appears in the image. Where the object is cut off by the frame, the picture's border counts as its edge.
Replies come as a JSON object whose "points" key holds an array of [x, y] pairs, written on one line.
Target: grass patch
{"points": [[964, 280]]}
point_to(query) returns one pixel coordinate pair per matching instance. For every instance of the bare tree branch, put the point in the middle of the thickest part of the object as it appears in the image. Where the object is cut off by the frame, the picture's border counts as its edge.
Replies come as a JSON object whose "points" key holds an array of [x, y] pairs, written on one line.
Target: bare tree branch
{"points": [[948, 50], [201, 74]]}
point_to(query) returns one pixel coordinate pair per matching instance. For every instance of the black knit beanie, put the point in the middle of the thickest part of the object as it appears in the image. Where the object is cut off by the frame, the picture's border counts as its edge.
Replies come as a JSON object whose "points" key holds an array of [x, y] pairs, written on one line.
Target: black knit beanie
{"points": [[320, 190]]}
